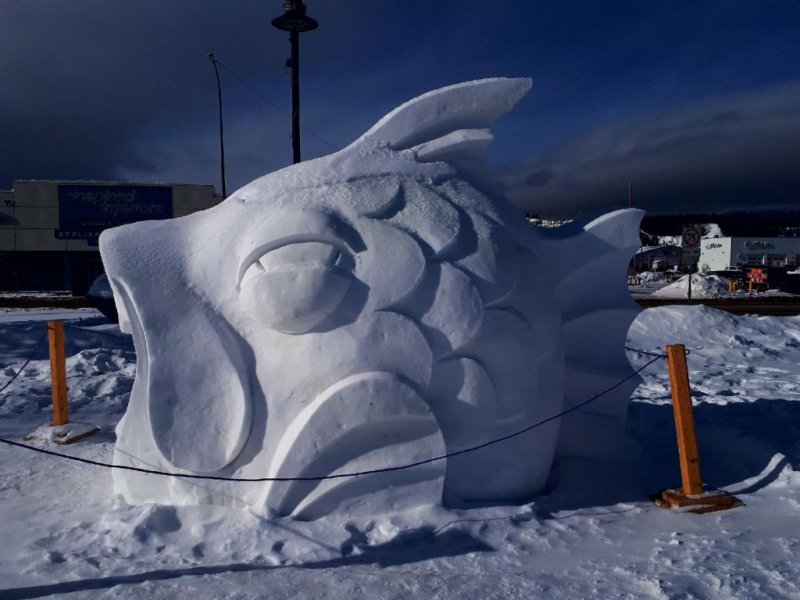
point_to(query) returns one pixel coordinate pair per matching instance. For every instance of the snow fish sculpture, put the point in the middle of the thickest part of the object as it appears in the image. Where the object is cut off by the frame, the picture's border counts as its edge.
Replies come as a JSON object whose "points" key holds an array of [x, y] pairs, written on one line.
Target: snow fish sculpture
{"points": [[369, 309]]}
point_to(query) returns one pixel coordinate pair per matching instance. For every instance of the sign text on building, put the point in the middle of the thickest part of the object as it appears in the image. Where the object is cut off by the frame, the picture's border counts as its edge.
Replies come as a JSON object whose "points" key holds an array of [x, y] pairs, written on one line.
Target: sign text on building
{"points": [[85, 210]]}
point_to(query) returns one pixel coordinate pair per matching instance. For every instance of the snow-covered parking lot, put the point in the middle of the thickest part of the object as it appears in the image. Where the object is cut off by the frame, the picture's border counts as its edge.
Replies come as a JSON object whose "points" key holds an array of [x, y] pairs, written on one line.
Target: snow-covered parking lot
{"points": [[594, 534]]}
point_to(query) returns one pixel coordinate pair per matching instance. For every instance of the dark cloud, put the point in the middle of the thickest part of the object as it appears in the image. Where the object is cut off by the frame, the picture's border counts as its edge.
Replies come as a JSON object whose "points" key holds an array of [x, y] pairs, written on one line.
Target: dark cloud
{"points": [[738, 151], [83, 82], [124, 89], [100, 89], [539, 178]]}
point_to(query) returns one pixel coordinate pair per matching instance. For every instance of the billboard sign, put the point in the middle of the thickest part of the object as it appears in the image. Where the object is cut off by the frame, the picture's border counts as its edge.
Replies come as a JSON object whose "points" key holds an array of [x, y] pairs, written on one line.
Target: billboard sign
{"points": [[86, 210]]}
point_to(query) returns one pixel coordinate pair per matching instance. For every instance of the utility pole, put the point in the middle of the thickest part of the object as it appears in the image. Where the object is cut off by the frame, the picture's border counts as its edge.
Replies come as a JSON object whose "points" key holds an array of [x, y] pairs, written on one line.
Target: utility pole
{"points": [[295, 21], [213, 60], [630, 205]]}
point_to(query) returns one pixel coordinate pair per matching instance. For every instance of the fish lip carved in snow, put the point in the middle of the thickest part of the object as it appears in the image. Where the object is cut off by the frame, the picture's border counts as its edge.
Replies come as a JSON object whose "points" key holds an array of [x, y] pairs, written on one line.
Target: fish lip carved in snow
{"points": [[364, 310]]}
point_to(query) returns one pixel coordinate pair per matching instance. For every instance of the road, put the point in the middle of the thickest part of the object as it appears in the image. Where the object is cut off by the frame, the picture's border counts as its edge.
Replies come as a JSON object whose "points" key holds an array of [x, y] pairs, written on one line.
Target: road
{"points": [[774, 306], [757, 305]]}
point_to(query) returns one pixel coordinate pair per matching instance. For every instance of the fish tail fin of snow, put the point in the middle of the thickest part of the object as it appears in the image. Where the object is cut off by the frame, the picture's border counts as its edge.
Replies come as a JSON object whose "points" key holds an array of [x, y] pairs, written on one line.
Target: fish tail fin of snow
{"points": [[589, 259]]}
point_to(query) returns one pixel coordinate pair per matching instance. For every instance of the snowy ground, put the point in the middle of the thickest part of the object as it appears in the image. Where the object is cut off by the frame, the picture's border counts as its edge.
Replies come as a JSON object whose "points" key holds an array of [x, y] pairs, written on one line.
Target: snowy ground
{"points": [[594, 535]]}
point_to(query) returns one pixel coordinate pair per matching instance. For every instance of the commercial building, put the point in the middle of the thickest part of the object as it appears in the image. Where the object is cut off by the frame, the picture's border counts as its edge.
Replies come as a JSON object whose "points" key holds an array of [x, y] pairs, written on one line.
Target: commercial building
{"points": [[657, 258], [726, 253], [49, 229]]}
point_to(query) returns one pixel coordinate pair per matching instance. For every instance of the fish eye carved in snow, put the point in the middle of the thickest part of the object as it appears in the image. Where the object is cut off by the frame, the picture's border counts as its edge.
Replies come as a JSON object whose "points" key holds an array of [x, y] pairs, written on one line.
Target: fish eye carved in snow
{"points": [[368, 309]]}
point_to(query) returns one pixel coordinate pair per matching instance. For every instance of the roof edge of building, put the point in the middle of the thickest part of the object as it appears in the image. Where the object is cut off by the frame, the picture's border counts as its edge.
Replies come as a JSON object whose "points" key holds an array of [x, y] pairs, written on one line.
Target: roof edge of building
{"points": [[108, 182]]}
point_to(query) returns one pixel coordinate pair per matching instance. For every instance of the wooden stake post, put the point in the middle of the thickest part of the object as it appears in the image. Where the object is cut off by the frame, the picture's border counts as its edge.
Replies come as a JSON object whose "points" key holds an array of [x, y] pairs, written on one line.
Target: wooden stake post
{"points": [[691, 495], [58, 372], [684, 420], [62, 431]]}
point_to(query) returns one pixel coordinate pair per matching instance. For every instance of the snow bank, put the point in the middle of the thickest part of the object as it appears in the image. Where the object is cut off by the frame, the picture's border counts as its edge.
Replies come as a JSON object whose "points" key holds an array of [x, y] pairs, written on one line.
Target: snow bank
{"points": [[703, 286], [578, 540], [369, 309], [649, 276], [711, 231]]}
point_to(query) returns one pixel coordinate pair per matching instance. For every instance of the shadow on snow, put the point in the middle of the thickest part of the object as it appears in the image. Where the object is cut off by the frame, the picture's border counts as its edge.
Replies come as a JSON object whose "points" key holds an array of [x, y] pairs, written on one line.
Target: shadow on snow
{"points": [[410, 547]]}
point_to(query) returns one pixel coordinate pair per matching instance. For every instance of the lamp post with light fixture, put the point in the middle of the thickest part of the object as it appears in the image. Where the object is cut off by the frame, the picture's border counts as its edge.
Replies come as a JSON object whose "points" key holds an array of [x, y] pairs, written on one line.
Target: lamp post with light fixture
{"points": [[295, 21]]}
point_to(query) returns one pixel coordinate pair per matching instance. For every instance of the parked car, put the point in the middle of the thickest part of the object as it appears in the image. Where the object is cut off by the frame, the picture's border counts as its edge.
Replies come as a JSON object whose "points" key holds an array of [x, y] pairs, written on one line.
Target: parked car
{"points": [[101, 296]]}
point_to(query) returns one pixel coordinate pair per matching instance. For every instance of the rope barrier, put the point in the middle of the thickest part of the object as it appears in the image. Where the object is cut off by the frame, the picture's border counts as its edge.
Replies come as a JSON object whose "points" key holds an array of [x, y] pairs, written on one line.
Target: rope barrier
{"points": [[39, 343], [640, 351], [646, 353], [27, 362], [127, 338], [341, 475]]}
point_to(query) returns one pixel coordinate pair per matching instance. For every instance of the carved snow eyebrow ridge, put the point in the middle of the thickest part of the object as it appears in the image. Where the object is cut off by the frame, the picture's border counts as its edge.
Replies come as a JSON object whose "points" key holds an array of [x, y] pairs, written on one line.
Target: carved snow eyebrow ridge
{"points": [[299, 238]]}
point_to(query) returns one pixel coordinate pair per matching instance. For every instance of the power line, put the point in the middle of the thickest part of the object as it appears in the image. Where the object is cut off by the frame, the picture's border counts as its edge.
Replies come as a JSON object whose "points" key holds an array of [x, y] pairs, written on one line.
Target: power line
{"points": [[273, 104]]}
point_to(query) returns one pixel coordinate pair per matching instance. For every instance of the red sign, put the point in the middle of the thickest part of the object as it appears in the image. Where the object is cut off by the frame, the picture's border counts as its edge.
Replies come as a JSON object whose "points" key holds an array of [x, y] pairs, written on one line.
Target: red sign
{"points": [[691, 236]]}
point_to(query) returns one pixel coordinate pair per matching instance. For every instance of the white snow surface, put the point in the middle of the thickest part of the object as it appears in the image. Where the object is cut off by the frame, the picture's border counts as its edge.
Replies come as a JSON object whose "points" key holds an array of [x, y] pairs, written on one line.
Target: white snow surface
{"points": [[372, 308], [670, 240], [591, 534], [709, 231]]}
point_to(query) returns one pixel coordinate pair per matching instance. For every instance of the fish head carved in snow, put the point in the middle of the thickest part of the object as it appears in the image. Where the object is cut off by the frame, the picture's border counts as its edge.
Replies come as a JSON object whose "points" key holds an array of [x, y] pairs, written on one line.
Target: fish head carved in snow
{"points": [[367, 309]]}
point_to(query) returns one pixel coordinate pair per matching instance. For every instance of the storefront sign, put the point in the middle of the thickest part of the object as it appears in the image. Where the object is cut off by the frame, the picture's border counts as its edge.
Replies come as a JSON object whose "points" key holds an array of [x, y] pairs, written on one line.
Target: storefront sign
{"points": [[86, 210], [757, 245]]}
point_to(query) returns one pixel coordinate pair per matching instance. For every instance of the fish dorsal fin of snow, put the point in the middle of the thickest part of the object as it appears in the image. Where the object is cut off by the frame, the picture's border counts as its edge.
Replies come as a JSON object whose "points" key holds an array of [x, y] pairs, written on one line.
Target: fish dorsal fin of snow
{"points": [[456, 116], [457, 147]]}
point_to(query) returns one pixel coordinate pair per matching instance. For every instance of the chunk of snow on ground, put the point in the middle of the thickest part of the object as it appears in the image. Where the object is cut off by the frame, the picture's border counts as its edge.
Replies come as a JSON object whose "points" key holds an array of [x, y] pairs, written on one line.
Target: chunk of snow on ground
{"points": [[703, 286]]}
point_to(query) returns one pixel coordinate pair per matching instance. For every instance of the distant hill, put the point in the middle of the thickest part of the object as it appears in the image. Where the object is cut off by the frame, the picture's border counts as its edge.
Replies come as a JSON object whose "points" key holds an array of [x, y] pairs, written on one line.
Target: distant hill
{"points": [[753, 223]]}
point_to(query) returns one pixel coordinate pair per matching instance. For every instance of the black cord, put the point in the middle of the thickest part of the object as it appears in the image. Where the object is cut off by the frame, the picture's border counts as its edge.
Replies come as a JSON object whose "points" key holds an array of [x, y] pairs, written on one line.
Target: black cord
{"points": [[111, 335], [340, 475], [646, 353], [22, 368]]}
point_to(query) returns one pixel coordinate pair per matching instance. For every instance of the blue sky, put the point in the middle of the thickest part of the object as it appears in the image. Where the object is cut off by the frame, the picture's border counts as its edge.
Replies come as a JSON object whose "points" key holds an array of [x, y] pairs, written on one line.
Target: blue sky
{"points": [[698, 103]]}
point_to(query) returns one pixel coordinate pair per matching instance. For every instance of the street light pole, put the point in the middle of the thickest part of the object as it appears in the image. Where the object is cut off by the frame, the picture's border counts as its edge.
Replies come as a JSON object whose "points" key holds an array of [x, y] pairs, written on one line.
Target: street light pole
{"points": [[294, 41], [295, 21], [213, 60]]}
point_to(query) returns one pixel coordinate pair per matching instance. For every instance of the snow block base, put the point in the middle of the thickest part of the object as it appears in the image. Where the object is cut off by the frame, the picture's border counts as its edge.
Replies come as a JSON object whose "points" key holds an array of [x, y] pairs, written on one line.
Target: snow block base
{"points": [[711, 501], [63, 434]]}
